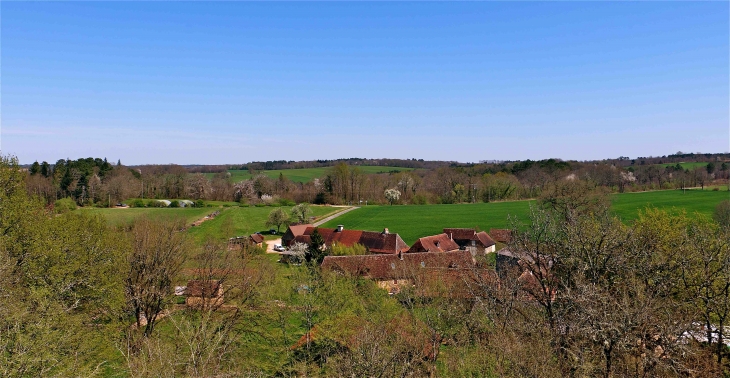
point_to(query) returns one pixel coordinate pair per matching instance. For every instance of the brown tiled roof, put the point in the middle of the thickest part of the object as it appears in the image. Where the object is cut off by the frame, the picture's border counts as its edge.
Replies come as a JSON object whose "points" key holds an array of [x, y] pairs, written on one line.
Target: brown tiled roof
{"points": [[299, 229], [435, 243], [501, 235], [390, 266], [485, 239], [469, 234], [257, 238], [292, 232], [203, 288], [305, 239], [378, 242], [375, 242]]}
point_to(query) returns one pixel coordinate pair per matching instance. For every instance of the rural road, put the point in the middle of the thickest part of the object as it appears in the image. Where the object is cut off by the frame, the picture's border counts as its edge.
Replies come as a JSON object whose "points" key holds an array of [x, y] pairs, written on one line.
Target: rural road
{"points": [[329, 218]]}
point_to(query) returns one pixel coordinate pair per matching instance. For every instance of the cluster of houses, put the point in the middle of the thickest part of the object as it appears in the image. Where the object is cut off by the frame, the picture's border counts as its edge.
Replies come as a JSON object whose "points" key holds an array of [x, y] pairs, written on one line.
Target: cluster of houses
{"points": [[447, 258]]}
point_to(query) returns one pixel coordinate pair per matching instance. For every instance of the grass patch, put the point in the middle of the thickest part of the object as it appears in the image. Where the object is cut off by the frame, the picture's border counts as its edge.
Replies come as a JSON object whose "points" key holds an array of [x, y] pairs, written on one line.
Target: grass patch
{"points": [[627, 205], [305, 174], [413, 222], [126, 216], [241, 221], [689, 166]]}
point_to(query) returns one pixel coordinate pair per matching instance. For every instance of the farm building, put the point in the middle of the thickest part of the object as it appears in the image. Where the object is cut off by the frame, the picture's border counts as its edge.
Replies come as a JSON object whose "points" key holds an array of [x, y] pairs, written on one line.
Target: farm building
{"points": [[186, 203], [292, 232], [501, 235], [256, 239], [469, 239], [430, 272], [204, 293], [434, 243], [375, 242]]}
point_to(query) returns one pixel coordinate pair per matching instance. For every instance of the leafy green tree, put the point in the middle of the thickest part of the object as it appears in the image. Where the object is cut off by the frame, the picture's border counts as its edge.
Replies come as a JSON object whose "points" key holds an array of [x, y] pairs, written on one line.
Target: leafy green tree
{"points": [[277, 217], [35, 168], [45, 169], [300, 213], [722, 214], [315, 253]]}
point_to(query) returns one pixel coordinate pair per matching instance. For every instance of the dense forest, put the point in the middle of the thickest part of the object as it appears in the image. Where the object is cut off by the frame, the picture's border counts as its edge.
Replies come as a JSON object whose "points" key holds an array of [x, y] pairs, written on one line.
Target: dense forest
{"points": [[589, 296], [96, 182]]}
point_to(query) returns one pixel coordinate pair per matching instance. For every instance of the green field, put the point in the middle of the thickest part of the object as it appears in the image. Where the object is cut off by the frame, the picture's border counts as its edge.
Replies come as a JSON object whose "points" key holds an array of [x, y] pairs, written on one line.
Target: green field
{"points": [[305, 174], [237, 221], [626, 205], [240, 221], [689, 166], [412, 222], [117, 217]]}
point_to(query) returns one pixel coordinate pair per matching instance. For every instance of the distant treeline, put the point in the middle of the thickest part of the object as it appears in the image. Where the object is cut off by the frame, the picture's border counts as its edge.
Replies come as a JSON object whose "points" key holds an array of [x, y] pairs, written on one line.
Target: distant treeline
{"points": [[94, 181]]}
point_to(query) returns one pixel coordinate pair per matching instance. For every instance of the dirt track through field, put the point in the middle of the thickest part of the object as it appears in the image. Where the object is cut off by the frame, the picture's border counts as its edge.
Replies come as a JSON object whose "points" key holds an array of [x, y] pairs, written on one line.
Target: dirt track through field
{"points": [[333, 216]]}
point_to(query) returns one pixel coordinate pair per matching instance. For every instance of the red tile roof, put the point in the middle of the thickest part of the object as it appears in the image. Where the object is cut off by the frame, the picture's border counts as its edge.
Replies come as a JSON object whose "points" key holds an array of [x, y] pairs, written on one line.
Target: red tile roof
{"points": [[257, 238], [388, 267], [435, 243], [469, 234], [375, 242], [501, 235]]}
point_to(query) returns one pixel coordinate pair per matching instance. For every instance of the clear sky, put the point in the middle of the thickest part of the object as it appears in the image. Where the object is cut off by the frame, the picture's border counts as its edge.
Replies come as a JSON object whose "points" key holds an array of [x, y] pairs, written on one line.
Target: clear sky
{"points": [[233, 82]]}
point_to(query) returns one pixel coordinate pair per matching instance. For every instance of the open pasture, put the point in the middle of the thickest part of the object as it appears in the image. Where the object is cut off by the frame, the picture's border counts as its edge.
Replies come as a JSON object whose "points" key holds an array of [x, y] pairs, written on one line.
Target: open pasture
{"points": [[242, 221], [627, 205], [412, 222], [689, 166], [305, 174], [126, 216]]}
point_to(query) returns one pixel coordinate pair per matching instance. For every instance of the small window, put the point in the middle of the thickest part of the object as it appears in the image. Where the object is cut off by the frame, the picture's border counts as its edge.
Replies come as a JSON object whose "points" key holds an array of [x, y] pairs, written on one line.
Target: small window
{"points": [[473, 242], [423, 264], [392, 265]]}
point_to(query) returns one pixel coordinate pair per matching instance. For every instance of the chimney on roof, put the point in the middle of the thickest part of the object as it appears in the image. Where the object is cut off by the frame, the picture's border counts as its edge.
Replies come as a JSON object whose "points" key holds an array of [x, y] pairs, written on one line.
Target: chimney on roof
{"points": [[451, 234], [385, 231], [340, 228]]}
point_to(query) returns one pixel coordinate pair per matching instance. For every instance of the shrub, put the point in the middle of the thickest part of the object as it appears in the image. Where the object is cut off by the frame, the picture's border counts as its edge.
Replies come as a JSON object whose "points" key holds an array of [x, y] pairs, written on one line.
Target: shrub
{"points": [[156, 203], [286, 202], [419, 199], [199, 203], [174, 203], [136, 203], [64, 205]]}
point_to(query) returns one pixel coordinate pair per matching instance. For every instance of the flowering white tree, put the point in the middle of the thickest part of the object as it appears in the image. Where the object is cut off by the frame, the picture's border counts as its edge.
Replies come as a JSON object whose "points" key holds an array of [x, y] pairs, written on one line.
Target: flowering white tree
{"points": [[392, 195]]}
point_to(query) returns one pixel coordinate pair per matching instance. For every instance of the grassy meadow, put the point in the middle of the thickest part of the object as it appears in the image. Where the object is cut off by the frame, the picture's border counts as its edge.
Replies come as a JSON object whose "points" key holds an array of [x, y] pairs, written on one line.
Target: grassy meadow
{"points": [[125, 216], [239, 221], [412, 222], [305, 174], [689, 166]]}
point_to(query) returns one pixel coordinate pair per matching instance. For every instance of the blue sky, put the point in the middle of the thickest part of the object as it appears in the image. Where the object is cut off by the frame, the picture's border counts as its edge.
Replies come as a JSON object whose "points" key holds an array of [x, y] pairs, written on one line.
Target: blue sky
{"points": [[232, 82]]}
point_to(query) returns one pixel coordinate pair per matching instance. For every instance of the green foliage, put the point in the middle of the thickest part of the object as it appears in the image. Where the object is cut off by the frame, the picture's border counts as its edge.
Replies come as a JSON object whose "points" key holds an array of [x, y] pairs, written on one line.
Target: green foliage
{"points": [[301, 213], [337, 249], [286, 202], [419, 199], [722, 214], [58, 275], [316, 252], [174, 203], [137, 202], [199, 203], [277, 217], [64, 205]]}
